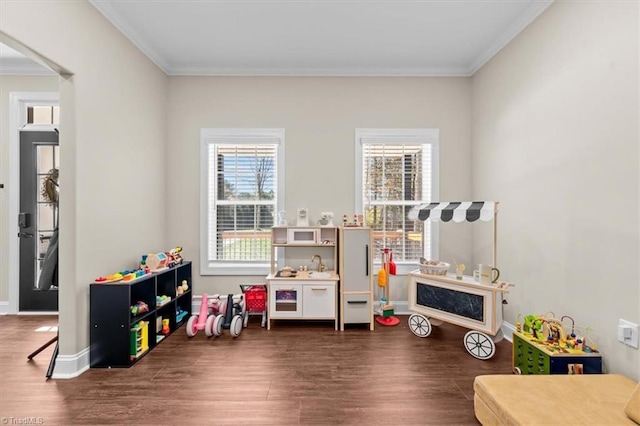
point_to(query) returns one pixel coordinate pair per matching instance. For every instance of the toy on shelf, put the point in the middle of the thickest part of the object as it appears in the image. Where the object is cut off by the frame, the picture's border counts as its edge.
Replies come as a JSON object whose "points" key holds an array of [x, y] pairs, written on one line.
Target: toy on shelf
{"points": [[156, 261], [162, 300], [139, 343], [139, 308], [129, 276], [180, 314], [358, 221], [165, 326], [182, 288], [174, 257], [113, 278]]}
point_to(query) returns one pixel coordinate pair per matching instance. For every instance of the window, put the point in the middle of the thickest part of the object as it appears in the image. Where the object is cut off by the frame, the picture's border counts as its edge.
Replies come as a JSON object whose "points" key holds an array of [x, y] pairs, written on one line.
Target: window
{"points": [[241, 190], [397, 169], [43, 114]]}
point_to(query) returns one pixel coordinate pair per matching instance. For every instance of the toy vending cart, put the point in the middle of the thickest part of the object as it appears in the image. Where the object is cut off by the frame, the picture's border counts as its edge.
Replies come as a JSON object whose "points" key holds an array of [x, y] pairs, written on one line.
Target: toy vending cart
{"points": [[255, 296], [459, 300]]}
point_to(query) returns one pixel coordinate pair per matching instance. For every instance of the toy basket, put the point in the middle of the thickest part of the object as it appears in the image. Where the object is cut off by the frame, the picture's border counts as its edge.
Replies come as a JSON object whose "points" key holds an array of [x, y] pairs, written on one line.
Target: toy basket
{"points": [[255, 297], [434, 268]]}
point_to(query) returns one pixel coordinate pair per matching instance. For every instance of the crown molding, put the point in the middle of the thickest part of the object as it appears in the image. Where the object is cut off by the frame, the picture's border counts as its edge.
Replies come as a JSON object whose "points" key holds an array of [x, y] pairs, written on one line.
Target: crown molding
{"points": [[532, 12], [24, 69], [130, 32], [318, 72]]}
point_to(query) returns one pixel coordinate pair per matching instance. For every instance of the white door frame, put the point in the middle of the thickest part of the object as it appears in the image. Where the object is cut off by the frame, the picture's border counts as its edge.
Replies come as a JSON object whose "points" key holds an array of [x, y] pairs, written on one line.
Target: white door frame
{"points": [[18, 103]]}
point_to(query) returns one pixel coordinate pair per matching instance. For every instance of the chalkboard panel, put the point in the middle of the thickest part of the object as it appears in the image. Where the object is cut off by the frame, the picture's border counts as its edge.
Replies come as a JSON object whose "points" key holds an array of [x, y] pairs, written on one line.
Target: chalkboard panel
{"points": [[452, 301]]}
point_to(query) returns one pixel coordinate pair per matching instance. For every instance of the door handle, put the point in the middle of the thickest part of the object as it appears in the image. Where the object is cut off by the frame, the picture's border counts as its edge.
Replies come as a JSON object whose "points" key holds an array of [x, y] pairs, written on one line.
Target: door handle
{"points": [[366, 256], [24, 235]]}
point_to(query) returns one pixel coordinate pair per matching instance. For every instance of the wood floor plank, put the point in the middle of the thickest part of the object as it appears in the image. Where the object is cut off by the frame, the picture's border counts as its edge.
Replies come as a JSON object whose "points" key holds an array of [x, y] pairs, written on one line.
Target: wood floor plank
{"points": [[298, 373]]}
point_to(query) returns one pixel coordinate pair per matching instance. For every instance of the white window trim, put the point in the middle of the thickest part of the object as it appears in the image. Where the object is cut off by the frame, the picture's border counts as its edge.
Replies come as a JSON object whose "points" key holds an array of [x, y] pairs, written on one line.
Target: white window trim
{"points": [[406, 136], [227, 135]]}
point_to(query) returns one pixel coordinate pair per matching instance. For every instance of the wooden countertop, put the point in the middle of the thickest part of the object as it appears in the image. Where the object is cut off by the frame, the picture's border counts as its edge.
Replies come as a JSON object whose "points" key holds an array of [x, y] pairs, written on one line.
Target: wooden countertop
{"points": [[304, 276]]}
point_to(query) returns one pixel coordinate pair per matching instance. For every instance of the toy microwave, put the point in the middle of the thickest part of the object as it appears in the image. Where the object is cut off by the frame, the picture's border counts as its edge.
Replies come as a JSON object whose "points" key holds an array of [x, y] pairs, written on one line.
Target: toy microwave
{"points": [[302, 236]]}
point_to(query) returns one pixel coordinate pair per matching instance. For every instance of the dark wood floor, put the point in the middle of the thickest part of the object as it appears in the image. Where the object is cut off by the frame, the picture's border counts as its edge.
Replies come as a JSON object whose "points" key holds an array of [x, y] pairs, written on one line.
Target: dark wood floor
{"points": [[298, 373]]}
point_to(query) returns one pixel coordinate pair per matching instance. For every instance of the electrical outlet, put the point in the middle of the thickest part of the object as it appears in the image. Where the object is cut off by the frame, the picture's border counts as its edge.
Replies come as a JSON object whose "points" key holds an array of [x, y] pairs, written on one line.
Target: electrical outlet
{"points": [[628, 333]]}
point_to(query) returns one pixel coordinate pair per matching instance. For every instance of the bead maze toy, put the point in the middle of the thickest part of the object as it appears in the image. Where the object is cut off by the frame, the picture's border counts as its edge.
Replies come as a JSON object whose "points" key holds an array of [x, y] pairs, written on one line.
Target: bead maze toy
{"points": [[551, 332]]}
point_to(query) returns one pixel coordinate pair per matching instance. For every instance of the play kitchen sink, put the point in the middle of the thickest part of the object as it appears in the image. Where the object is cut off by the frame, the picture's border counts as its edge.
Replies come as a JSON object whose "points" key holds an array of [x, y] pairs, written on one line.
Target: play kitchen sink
{"points": [[317, 275]]}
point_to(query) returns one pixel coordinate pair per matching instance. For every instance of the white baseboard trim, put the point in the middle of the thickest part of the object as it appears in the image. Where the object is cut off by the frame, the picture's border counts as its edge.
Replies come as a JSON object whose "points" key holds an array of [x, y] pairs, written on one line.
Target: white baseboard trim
{"points": [[507, 330], [4, 307], [196, 301], [400, 308], [70, 366]]}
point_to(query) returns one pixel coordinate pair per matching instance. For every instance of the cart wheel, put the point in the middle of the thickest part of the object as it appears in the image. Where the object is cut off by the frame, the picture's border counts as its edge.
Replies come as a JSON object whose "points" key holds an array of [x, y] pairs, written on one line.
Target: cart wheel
{"points": [[208, 326], [516, 370], [236, 325], [498, 337], [479, 345], [217, 325], [192, 326], [246, 319], [419, 325]]}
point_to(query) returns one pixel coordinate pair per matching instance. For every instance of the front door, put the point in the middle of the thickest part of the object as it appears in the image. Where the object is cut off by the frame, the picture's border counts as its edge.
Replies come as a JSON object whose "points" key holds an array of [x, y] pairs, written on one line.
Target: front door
{"points": [[38, 216]]}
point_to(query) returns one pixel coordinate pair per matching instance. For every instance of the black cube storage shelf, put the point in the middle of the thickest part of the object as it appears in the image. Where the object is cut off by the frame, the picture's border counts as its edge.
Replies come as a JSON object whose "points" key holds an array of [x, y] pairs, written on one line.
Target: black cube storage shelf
{"points": [[111, 319]]}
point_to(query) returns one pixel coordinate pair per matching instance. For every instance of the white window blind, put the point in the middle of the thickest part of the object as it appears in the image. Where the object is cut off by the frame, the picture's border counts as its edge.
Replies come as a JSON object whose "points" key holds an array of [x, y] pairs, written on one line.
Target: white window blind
{"points": [[242, 187], [397, 170]]}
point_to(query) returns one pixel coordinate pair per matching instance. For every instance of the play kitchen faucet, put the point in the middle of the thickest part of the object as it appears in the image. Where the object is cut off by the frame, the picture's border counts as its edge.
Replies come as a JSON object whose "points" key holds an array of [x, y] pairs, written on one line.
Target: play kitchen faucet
{"points": [[320, 265]]}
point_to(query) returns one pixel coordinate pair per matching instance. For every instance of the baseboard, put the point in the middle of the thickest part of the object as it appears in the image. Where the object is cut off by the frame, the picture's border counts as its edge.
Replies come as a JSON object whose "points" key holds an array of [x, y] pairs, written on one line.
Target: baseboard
{"points": [[507, 330], [4, 307], [196, 301], [70, 366], [400, 308]]}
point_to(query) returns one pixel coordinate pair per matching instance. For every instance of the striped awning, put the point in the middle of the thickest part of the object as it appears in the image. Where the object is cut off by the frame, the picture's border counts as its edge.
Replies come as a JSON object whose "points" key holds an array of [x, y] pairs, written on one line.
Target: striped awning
{"points": [[459, 211]]}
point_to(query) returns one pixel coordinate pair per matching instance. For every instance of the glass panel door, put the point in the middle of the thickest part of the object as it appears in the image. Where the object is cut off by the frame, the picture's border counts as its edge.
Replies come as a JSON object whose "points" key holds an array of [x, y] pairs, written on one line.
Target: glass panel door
{"points": [[287, 301]]}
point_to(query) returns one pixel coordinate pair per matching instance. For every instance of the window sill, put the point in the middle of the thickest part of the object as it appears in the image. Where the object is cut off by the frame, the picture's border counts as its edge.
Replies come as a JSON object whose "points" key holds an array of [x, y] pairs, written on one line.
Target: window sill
{"points": [[236, 269]]}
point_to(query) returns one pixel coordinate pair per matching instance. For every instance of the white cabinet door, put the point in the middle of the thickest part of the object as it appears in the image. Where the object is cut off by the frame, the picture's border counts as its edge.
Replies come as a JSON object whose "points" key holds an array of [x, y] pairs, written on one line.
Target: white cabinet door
{"points": [[285, 300], [357, 308], [319, 300], [356, 273]]}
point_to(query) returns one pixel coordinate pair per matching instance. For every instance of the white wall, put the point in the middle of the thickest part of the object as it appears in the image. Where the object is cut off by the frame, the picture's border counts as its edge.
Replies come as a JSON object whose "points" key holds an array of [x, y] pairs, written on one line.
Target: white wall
{"points": [[319, 116], [8, 84], [112, 138], [555, 139]]}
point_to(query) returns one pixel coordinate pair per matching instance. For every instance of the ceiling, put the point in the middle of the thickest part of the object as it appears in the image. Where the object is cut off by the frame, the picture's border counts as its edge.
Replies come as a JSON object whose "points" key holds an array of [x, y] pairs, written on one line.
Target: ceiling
{"points": [[312, 37], [321, 37]]}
